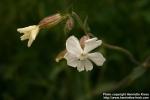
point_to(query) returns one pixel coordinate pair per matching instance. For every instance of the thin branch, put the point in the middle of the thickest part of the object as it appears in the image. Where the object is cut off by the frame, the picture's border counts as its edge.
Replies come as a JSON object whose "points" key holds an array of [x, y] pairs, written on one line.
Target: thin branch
{"points": [[77, 17], [129, 54], [128, 80]]}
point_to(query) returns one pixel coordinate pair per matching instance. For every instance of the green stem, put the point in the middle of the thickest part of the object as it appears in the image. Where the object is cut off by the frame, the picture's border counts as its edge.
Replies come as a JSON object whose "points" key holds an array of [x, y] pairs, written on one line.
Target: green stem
{"points": [[81, 24], [129, 54]]}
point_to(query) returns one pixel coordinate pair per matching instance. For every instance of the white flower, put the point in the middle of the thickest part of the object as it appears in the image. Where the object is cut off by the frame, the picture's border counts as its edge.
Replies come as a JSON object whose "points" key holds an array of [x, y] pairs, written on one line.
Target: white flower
{"points": [[81, 58], [29, 32]]}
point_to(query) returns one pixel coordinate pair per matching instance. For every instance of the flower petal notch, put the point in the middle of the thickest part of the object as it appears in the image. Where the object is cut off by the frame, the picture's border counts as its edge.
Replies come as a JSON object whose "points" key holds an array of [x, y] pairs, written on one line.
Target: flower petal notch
{"points": [[29, 32], [79, 56]]}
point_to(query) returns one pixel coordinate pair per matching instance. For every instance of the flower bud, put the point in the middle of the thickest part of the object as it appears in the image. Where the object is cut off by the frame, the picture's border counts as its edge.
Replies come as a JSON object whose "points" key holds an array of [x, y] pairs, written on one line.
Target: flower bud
{"points": [[51, 21], [83, 39], [69, 24], [60, 56]]}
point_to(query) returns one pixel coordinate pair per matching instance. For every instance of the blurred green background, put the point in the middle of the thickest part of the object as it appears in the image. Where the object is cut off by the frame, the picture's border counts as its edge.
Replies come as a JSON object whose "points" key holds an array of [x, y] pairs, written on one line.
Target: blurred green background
{"points": [[33, 74]]}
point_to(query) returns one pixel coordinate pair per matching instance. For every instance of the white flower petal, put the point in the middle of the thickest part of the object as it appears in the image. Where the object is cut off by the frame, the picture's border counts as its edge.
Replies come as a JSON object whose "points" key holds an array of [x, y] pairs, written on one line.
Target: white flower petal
{"points": [[30, 42], [73, 46], [97, 58], [91, 44], [34, 32], [88, 65], [26, 29], [24, 37], [71, 60], [80, 66], [33, 36], [84, 65]]}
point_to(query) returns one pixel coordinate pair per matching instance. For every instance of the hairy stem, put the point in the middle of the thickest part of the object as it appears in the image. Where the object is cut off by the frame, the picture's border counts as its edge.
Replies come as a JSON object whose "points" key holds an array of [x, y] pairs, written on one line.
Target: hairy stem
{"points": [[129, 54]]}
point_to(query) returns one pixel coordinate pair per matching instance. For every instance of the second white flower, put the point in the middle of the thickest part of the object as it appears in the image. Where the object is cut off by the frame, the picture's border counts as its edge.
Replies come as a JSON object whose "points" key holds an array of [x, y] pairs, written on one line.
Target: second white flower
{"points": [[79, 57]]}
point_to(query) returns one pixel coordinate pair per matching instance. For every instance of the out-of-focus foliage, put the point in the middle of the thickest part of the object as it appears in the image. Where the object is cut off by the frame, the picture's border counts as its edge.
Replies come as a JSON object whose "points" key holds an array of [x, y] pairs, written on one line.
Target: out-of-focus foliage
{"points": [[33, 74]]}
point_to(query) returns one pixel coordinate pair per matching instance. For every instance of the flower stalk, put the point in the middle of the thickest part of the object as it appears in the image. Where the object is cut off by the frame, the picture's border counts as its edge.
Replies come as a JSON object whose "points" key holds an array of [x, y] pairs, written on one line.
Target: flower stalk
{"points": [[129, 54]]}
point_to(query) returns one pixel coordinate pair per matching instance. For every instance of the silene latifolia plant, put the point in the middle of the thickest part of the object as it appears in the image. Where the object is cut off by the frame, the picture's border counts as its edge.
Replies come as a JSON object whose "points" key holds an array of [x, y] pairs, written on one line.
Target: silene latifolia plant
{"points": [[78, 53]]}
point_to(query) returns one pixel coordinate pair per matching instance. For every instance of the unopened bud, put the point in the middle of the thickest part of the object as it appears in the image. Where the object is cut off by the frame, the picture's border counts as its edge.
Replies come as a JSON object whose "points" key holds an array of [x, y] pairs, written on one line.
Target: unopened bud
{"points": [[83, 39], [60, 56], [69, 24], [51, 21]]}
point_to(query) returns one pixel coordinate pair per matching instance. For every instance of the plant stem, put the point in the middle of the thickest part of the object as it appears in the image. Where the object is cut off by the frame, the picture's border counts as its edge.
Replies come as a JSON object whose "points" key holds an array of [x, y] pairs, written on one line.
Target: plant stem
{"points": [[129, 54], [80, 22]]}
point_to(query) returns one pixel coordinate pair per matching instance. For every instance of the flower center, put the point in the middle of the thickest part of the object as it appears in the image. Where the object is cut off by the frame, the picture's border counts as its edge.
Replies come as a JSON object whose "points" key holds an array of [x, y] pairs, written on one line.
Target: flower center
{"points": [[83, 56]]}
